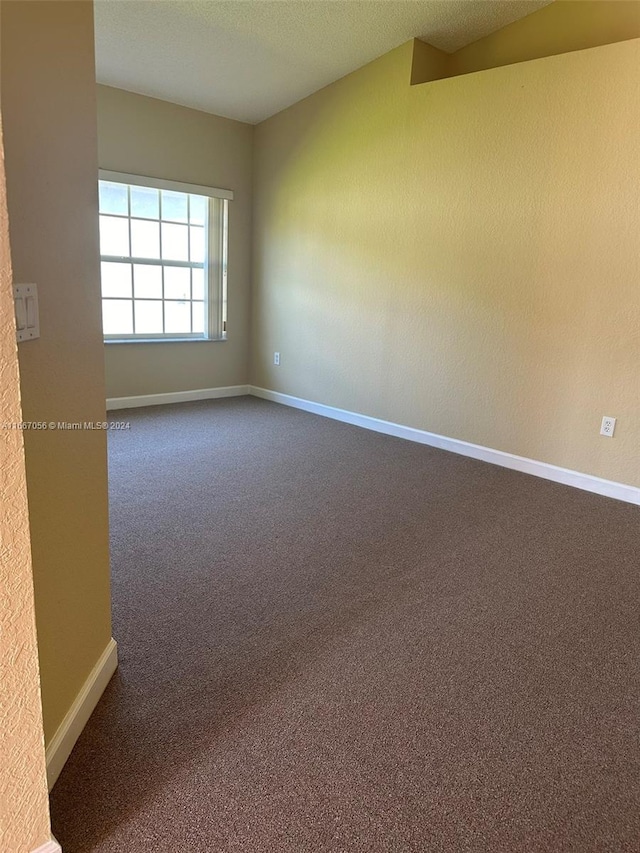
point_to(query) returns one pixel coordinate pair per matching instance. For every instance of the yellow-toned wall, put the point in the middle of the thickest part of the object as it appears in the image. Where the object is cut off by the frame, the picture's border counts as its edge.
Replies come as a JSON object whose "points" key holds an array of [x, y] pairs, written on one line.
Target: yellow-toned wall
{"points": [[145, 136], [49, 113], [562, 26], [461, 256], [24, 806]]}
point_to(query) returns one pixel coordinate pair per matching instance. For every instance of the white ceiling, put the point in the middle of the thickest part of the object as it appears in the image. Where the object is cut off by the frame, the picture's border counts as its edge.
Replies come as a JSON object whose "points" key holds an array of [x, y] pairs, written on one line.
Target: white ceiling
{"points": [[249, 59]]}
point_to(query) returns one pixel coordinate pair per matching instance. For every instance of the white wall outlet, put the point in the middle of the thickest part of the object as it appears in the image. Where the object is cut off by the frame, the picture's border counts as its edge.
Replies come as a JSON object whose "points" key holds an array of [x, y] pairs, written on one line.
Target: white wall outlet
{"points": [[276, 358], [608, 426]]}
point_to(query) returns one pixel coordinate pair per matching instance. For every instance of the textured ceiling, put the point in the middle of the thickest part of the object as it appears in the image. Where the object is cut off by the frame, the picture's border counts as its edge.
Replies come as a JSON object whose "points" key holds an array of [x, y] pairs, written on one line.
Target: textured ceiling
{"points": [[248, 59]]}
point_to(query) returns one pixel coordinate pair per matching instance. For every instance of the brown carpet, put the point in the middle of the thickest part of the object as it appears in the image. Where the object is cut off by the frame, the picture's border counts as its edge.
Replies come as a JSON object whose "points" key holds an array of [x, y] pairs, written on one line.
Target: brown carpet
{"points": [[333, 640]]}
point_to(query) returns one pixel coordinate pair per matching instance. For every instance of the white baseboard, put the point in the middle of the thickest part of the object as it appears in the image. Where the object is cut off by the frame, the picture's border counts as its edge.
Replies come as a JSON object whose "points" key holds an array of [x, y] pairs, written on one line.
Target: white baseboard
{"points": [[69, 730], [587, 482], [50, 847], [176, 397]]}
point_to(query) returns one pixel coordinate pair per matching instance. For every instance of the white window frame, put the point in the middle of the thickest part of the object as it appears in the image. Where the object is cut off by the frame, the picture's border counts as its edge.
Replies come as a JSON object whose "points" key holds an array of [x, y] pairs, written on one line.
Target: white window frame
{"points": [[215, 264]]}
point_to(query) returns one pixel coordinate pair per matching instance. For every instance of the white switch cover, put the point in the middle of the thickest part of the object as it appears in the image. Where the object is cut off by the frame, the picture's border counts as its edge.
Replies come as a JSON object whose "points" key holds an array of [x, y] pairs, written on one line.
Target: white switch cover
{"points": [[27, 316]]}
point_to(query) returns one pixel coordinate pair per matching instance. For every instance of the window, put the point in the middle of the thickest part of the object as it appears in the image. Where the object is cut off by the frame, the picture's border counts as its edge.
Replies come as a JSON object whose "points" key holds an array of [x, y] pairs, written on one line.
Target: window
{"points": [[163, 253]]}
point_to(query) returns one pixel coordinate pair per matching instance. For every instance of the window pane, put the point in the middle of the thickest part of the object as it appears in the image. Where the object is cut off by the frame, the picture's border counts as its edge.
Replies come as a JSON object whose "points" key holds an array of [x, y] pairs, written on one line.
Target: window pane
{"points": [[197, 309], [117, 318], [175, 242], [145, 239], [197, 244], [177, 317], [166, 233], [148, 318], [114, 236], [198, 209], [174, 206], [147, 281], [176, 283], [145, 202], [116, 279], [197, 283], [113, 198]]}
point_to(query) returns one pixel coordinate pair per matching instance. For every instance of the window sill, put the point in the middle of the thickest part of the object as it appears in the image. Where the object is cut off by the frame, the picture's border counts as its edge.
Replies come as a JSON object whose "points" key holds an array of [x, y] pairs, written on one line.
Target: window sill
{"points": [[163, 340]]}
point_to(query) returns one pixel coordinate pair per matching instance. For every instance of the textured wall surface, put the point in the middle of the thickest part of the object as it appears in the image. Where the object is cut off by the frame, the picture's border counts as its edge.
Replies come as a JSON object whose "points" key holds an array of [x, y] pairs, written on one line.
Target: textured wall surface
{"points": [[559, 27], [49, 113], [144, 136], [24, 805], [562, 26], [461, 256]]}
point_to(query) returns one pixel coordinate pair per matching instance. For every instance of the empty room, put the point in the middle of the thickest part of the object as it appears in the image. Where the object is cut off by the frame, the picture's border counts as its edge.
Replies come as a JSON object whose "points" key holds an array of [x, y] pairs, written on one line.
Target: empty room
{"points": [[320, 435]]}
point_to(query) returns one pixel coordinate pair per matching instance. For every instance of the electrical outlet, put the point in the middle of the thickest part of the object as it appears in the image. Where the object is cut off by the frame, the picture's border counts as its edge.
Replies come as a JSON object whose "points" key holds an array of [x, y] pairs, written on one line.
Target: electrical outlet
{"points": [[276, 358], [608, 426]]}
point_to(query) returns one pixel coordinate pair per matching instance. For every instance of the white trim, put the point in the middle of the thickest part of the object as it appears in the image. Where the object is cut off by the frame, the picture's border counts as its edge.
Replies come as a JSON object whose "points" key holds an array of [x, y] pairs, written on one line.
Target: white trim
{"points": [[162, 184], [176, 397], [69, 730], [587, 482], [50, 847]]}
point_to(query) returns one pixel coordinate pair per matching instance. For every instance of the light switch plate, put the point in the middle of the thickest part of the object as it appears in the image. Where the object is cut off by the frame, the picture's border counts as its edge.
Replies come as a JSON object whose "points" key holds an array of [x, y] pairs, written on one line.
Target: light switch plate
{"points": [[27, 315]]}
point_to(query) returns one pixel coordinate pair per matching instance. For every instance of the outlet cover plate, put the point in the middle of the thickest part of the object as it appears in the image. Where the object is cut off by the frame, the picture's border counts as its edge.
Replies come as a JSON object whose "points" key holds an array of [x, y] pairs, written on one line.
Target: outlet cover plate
{"points": [[608, 426]]}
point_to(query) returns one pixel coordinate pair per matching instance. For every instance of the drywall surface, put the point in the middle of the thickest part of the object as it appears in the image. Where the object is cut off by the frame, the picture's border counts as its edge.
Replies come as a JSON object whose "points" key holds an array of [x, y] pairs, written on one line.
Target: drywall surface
{"points": [[461, 256], [49, 114], [557, 28], [24, 805], [429, 63], [144, 136]]}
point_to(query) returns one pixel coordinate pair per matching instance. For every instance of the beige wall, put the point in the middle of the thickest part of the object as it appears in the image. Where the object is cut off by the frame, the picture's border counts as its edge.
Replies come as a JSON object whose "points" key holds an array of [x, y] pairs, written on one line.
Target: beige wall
{"points": [[49, 114], [562, 26], [145, 136], [461, 256], [24, 806]]}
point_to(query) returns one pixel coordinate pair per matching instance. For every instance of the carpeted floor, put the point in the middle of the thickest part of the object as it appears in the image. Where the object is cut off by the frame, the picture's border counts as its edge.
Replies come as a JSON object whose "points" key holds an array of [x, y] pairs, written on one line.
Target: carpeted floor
{"points": [[333, 640]]}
